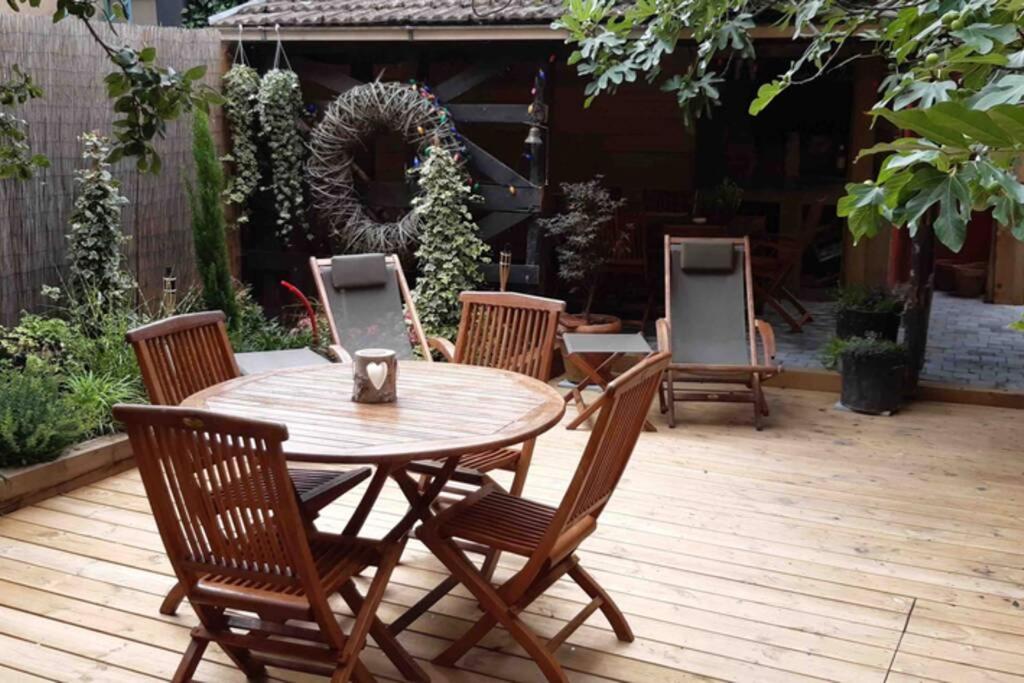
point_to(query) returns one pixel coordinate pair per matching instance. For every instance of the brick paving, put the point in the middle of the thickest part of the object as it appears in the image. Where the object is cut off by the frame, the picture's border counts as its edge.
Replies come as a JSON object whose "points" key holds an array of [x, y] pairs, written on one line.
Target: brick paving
{"points": [[969, 342]]}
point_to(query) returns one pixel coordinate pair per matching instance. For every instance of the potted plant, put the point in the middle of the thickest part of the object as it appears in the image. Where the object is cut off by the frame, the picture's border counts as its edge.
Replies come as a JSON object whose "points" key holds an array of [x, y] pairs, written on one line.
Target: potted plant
{"points": [[587, 242], [864, 311], [720, 203], [873, 372]]}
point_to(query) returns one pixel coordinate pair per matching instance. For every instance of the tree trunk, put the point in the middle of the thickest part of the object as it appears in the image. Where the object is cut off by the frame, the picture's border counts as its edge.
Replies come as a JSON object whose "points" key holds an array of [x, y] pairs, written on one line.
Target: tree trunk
{"points": [[919, 303]]}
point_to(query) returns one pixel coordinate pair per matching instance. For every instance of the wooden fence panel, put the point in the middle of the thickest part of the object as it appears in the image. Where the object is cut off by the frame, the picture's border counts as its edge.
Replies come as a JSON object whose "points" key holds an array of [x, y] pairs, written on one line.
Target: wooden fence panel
{"points": [[70, 68]]}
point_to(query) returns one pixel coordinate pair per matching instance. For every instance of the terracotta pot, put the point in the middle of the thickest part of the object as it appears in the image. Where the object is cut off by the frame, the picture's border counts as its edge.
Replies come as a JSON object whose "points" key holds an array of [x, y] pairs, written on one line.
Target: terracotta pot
{"points": [[970, 280], [945, 275], [600, 323]]}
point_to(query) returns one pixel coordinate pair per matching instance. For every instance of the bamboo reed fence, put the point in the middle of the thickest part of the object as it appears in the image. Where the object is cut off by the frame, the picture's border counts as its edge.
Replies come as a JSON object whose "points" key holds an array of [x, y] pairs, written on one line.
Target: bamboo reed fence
{"points": [[34, 214]]}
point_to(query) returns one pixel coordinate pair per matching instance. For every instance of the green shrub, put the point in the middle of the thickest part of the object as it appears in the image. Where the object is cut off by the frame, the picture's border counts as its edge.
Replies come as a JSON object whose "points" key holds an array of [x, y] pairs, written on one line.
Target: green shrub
{"points": [[867, 300], [208, 227], [836, 348], [37, 421], [35, 339], [94, 396], [253, 331]]}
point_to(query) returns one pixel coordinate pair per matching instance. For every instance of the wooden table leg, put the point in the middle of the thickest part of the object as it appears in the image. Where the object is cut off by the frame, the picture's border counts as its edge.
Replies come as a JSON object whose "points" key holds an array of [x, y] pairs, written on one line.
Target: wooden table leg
{"points": [[592, 375]]}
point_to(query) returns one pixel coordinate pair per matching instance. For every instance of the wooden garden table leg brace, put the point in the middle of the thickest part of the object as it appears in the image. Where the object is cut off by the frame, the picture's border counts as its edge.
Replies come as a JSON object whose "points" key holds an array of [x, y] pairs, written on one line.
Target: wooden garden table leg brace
{"points": [[365, 607], [592, 375]]}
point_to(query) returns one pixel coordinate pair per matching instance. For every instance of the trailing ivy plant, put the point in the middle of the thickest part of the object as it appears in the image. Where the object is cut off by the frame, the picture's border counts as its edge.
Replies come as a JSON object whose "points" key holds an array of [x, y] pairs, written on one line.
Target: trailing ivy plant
{"points": [[208, 228], [16, 158], [280, 106], [146, 95], [95, 240], [241, 95], [450, 251]]}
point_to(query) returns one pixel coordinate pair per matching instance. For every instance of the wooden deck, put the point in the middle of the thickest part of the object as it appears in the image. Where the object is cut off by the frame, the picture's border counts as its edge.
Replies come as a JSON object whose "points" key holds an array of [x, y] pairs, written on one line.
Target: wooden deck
{"points": [[830, 546]]}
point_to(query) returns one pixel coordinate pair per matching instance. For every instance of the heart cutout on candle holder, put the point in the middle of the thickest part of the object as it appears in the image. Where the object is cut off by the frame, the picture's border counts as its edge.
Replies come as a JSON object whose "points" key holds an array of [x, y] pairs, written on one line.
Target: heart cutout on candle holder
{"points": [[374, 374], [377, 372]]}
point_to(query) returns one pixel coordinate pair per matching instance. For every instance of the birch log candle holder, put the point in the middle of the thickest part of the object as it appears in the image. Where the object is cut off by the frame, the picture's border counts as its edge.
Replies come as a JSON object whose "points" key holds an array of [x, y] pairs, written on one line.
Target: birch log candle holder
{"points": [[374, 375]]}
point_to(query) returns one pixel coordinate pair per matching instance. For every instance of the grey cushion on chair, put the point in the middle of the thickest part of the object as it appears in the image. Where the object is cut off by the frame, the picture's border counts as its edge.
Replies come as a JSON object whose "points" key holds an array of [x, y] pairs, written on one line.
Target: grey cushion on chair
{"points": [[707, 257], [709, 304], [367, 308], [359, 270]]}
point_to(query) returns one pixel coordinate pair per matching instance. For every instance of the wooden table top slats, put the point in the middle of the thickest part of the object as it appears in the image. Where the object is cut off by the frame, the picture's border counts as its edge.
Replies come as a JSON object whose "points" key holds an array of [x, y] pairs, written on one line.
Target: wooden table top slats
{"points": [[442, 409]]}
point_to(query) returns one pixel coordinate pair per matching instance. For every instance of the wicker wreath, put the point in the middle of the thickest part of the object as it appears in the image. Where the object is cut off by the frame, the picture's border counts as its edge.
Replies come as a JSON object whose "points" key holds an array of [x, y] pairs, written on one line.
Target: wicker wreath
{"points": [[348, 122]]}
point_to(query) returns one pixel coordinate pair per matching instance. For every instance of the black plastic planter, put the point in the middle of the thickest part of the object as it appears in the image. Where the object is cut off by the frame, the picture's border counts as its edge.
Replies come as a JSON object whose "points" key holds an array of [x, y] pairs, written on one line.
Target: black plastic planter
{"points": [[853, 323], [873, 383]]}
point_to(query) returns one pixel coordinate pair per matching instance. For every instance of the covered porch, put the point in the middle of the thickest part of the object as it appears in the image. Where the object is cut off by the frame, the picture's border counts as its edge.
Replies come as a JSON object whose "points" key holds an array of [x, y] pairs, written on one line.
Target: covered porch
{"points": [[831, 546]]}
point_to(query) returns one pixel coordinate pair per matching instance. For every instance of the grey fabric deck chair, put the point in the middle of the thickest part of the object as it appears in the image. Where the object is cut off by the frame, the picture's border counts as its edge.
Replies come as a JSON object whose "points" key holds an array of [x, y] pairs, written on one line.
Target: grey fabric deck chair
{"points": [[710, 327], [364, 295]]}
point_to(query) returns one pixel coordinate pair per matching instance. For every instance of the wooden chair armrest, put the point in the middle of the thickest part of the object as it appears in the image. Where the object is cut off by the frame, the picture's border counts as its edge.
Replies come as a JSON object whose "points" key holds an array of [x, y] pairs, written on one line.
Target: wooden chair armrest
{"points": [[767, 335], [664, 335], [339, 354], [444, 347]]}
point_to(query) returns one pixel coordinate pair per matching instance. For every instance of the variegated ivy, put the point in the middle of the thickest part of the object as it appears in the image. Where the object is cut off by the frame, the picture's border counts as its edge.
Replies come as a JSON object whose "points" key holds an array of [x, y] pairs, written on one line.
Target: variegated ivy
{"points": [[95, 240], [241, 94], [450, 251], [279, 107]]}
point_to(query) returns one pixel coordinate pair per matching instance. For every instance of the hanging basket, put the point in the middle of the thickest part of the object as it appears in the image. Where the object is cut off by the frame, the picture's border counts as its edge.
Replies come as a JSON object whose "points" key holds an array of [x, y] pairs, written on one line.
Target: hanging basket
{"points": [[349, 121]]}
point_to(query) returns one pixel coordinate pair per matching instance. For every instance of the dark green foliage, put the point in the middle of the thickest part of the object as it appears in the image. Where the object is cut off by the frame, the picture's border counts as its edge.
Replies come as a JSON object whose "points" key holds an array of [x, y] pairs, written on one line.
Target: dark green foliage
{"points": [[93, 396], [253, 331], [36, 419], [208, 227], [867, 300], [586, 239], [197, 13], [837, 349]]}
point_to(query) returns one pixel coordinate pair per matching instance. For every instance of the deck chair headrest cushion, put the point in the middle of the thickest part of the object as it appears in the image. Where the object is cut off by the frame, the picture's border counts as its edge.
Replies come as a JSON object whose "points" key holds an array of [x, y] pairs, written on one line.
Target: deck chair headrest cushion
{"points": [[357, 271], [707, 257]]}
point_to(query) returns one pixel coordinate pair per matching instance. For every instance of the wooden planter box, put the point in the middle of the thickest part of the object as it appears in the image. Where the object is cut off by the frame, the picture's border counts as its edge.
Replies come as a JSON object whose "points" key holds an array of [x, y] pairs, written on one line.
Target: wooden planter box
{"points": [[79, 465]]}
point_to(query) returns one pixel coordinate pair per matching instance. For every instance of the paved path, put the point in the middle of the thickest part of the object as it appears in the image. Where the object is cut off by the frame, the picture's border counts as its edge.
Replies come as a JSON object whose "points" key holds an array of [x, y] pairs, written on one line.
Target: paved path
{"points": [[969, 342]]}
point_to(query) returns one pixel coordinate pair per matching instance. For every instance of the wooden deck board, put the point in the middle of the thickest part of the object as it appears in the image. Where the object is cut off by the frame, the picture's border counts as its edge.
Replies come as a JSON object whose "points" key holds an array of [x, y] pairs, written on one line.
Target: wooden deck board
{"points": [[831, 546]]}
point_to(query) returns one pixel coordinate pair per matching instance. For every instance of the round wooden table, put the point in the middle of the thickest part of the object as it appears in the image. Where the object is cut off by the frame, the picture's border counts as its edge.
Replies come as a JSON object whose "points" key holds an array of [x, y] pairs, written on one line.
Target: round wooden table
{"points": [[443, 411]]}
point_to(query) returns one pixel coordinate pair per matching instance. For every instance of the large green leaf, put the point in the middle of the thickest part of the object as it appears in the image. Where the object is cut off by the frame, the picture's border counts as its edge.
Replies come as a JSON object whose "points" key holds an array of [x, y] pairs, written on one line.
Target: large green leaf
{"points": [[954, 212], [1010, 119], [918, 121], [976, 125], [1008, 89]]}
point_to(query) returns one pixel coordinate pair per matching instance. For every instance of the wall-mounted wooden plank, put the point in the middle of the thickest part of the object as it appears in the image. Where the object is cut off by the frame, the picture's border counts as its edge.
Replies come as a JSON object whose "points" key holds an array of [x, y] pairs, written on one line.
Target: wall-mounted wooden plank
{"points": [[328, 76], [497, 222], [464, 81], [499, 198], [491, 113], [489, 165]]}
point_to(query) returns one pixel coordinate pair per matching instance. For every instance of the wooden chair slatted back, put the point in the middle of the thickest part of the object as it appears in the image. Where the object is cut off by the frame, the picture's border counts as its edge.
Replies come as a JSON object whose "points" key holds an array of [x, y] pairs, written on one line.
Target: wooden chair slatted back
{"points": [[181, 355], [625, 404], [221, 496], [508, 331]]}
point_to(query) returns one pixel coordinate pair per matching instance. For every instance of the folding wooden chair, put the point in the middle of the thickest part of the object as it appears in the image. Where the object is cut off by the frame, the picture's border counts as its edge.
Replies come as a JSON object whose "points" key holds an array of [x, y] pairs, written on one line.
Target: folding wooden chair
{"points": [[369, 305], [181, 355], [709, 326], [234, 534], [774, 259], [508, 331], [546, 536]]}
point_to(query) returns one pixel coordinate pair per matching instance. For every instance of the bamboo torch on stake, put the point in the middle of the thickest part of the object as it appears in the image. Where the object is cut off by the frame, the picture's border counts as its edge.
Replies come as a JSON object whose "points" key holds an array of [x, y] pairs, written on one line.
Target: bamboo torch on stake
{"points": [[504, 268]]}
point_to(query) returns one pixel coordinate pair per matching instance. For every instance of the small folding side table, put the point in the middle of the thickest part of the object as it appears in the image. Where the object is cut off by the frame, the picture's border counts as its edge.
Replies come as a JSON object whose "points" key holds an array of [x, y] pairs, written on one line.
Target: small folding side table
{"points": [[581, 350]]}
